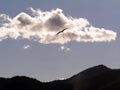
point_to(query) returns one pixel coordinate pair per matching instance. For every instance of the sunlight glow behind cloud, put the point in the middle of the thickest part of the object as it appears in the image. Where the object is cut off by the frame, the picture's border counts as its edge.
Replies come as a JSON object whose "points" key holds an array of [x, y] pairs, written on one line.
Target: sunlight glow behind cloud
{"points": [[42, 27]]}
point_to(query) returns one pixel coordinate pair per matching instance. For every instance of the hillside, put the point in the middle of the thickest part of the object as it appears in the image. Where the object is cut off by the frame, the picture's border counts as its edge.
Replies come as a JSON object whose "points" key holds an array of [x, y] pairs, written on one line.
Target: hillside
{"points": [[95, 78]]}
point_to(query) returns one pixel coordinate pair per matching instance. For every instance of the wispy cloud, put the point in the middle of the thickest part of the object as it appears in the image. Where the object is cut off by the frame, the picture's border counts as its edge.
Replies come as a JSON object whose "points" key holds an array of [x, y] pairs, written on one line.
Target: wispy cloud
{"points": [[43, 26], [64, 48], [26, 46]]}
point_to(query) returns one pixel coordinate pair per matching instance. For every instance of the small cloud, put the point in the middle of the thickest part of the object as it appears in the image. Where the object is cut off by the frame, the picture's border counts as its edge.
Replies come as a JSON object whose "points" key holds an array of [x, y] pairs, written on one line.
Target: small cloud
{"points": [[62, 78], [26, 46], [64, 48]]}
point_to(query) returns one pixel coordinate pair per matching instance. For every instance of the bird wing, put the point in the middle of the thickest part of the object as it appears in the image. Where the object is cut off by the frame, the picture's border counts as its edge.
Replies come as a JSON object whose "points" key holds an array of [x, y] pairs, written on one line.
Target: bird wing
{"points": [[61, 31]]}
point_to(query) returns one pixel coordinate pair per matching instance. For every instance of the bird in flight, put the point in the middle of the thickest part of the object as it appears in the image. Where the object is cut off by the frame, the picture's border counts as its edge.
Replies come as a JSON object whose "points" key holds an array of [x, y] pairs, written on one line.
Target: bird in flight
{"points": [[61, 31]]}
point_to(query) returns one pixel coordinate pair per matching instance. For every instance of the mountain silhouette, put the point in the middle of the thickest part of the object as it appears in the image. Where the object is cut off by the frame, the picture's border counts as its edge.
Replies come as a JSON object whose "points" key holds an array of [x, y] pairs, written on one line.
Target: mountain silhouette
{"points": [[95, 78]]}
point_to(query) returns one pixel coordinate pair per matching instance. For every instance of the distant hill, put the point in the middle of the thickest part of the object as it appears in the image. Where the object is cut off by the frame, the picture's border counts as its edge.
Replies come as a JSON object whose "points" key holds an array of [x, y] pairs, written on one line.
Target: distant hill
{"points": [[95, 78]]}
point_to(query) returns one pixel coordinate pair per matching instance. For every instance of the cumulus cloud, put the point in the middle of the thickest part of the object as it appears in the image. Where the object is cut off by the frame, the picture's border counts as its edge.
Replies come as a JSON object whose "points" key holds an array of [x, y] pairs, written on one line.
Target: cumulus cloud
{"points": [[43, 26]]}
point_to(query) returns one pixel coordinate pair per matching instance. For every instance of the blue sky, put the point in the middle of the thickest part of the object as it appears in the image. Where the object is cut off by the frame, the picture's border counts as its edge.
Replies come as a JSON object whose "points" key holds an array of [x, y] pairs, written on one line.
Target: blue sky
{"points": [[47, 61]]}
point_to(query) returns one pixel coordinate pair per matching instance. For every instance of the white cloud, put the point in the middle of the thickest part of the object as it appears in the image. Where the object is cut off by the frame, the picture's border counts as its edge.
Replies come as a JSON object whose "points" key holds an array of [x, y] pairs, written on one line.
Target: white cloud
{"points": [[62, 78], [64, 48], [26, 46], [42, 27]]}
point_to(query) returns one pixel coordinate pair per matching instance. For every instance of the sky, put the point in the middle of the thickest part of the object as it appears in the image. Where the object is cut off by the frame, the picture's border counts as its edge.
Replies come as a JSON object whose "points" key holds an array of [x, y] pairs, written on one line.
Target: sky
{"points": [[48, 40]]}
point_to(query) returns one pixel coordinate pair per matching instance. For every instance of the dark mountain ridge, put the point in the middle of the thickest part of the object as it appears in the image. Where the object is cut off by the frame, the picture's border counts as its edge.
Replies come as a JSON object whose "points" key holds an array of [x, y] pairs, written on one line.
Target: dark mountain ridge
{"points": [[95, 78]]}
